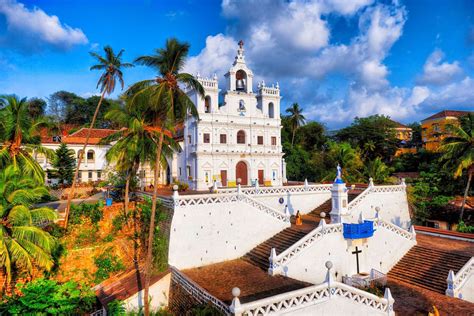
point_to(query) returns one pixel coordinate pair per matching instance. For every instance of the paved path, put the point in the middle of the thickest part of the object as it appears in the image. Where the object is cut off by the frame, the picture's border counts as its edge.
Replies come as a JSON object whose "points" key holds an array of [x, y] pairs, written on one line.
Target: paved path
{"points": [[61, 204]]}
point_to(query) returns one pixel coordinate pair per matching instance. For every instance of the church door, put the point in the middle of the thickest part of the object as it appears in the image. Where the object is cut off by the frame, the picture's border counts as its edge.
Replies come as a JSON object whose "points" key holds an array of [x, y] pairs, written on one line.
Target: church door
{"points": [[260, 177], [241, 172], [224, 178]]}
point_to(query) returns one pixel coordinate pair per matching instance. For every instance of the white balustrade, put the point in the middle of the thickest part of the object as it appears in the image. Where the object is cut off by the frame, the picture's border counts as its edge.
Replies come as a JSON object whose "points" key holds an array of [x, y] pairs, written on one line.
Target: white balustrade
{"points": [[281, 189], [456, 281], [375, 189]]}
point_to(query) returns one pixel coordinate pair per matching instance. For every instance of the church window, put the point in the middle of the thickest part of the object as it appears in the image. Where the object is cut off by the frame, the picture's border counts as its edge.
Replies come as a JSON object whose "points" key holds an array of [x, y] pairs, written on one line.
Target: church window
{"points": [[260, 140], [271, 110], [188, 171], [274, 174], [207, 138], [223, 138], [240, 137], [240, 80], [90, 175], [274, 140], [180, 171], [189, 139], [207, 104], [99, 175]]}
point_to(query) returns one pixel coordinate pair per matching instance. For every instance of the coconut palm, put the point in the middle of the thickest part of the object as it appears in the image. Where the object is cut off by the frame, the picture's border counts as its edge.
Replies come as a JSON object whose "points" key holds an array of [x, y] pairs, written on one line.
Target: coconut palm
{"points": [[296, 118], [377, 170], [19, 137], [23, 244], [168, 105], [111, 66], [458, 152], [136, 143]]}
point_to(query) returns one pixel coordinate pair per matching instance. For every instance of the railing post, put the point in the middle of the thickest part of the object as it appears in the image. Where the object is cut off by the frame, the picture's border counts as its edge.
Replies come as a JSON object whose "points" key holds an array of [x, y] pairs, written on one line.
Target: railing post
{"points": [[388, 296], [272, 259], [329, 278], [371, 182], [451, 290], [175, 196], [413, 232], [306, 184], [236, 307], [322, 224]]}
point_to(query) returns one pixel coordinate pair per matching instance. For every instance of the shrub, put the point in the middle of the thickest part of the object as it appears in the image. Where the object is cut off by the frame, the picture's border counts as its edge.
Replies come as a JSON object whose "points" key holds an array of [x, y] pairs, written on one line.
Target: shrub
{"points": [[106, 264], [48, 297], [463, 228], [182, 186], [93, 211]]}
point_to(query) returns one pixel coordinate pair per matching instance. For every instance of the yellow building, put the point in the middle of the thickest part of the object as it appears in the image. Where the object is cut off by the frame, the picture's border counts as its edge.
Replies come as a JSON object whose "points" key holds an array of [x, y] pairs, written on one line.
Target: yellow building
{"points": [[404, 135], [433, 128]]}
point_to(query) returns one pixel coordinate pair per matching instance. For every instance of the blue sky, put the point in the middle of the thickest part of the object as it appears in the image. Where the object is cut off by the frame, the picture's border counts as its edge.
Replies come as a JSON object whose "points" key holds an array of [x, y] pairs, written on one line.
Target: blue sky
{"points": [[338, 59]]}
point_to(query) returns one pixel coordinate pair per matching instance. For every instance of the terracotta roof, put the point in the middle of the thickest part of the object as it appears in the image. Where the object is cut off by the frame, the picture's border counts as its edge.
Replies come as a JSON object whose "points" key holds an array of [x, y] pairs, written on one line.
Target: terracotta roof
{"points": [[79, 137], [446, 113], [123, 285], [47, 135], [399, 125], [448, 233]]}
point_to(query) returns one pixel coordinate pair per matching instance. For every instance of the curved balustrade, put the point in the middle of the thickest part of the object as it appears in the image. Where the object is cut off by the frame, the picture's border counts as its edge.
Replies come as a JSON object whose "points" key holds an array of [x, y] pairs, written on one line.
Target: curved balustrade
{"points": [[280, 190], [294, 300], [375, 189], [456, 281]]}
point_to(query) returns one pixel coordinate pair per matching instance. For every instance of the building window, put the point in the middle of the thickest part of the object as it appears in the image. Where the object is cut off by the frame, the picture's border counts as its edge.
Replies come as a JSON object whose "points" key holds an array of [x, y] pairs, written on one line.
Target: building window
{"points": [[223, 138], [274, 174], [189, 139], [274, 140], [90, 156], [207, 138], [271, 110], [240, 137], [89, 175], [99, 175], [260, 140], [207, 104], [179, 171], [188, 172], [79, 176]]}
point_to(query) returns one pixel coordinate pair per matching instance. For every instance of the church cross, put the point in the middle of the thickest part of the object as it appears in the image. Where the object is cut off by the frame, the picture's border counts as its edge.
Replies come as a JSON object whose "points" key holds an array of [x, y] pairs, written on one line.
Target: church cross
{"points": [[241, 44], [356, 252]]}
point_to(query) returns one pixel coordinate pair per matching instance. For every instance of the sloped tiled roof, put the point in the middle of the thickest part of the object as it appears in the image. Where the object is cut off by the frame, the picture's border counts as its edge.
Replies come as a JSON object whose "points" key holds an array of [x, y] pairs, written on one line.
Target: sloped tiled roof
{"points": [[446, 113], [399, 125]]}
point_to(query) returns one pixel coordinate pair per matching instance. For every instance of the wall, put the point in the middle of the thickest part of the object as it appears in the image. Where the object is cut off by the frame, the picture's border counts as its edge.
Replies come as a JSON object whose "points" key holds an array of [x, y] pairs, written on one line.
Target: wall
{"points": [[467, 289], [392, 201], [209, 232], [336, 306], [303, 202], [159, 292], [381, 252]]}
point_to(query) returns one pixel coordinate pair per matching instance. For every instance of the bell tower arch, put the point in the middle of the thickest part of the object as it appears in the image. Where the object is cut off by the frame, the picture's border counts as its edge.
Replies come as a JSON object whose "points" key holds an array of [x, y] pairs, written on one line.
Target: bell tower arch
{"points": [[239, 77]]}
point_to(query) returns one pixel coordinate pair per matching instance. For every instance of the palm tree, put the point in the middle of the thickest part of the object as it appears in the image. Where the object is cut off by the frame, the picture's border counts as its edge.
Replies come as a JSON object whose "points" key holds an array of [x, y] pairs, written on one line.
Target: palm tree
{"points": [[23, 244], [377, 170], [458, 152], [111, 66], [136, 143], [19, 137], [168, 105], [296, 118]]}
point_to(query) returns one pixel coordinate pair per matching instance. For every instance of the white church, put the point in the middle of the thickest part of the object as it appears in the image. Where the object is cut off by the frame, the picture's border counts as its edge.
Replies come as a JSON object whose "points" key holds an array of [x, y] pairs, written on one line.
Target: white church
{"points": [[237, 141]]}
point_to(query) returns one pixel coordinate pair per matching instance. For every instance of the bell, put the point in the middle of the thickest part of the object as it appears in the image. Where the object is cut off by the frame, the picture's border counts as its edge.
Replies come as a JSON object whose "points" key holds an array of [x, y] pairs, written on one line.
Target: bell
{"points": [[240, 84]]}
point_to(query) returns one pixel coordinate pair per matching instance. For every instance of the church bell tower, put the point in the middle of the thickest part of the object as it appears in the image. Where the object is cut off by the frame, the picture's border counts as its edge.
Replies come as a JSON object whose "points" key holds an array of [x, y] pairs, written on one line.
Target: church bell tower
{"points": [[239, 77]]}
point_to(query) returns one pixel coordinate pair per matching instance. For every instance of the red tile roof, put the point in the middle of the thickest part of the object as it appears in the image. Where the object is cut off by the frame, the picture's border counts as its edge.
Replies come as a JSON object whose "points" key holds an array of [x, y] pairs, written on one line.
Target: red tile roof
{"points": [[399, 125], [447, 113]]}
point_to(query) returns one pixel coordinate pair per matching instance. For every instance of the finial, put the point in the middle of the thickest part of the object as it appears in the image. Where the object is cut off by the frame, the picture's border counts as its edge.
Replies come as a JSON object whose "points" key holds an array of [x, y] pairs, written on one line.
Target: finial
{"points": [[361, 218], [306, 183], [241, 44], [278, 85], [214, 76], [235, 306], [198, 75], [263, 83], [329, 277], [338, 175], [371, 182]]}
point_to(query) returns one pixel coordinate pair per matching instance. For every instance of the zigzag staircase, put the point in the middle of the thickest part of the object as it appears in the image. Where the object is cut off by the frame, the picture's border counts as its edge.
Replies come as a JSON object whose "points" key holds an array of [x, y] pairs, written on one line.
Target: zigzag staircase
{"points": [[427, 267]]}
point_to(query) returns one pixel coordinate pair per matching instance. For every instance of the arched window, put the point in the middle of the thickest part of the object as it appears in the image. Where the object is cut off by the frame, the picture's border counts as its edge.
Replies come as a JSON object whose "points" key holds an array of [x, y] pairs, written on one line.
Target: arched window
{"points": [[207, 104], [79, 154], [90, 156], [241, 137], [271, 110], [241, 80]]}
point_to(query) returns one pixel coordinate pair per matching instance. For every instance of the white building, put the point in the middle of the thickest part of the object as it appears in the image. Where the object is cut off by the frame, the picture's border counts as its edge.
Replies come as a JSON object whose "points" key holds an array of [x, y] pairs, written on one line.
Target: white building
{"points": [[238, 139]]}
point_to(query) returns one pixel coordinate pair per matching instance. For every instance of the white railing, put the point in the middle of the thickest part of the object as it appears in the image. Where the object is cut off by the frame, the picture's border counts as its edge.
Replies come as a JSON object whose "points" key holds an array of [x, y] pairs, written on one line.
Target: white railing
{"points": [[281, 189], [298, 299], [395, 229], [99, 312], [208, 199], [197, 292], [166, 201], [375, 189], [456, 281], [375, 276], [277, 262]]}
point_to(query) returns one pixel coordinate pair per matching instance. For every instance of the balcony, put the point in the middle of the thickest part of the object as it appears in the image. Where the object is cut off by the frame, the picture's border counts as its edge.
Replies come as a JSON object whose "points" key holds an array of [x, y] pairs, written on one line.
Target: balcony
{"points": [[358, 231]]}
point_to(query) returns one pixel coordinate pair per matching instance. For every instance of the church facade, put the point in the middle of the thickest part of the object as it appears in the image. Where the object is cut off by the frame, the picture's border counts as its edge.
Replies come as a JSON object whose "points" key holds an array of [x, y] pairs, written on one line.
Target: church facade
{"points": [[237, 141]]}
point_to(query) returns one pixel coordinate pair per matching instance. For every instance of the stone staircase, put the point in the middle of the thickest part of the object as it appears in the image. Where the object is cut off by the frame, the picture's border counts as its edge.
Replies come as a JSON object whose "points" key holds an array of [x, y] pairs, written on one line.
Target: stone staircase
{"points": [[427, 267]]}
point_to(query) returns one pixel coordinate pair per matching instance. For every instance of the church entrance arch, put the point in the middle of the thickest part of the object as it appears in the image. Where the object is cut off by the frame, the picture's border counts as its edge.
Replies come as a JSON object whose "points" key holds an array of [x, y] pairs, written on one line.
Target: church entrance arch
{"points": [[241, 172]]}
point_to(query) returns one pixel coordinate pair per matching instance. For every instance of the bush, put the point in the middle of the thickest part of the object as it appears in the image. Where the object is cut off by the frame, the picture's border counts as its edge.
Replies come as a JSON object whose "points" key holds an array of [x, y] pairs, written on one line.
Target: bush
{"points": [[92, 211], [463, 228], [48, 297], [106, 264], [182, 186]]}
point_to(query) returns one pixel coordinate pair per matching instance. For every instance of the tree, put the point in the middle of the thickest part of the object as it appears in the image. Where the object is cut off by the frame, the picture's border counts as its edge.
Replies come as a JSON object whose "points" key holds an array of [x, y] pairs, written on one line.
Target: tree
{"points": [[23, 244], [377, 170], [111, 65], [19, 137], [296, 119], [374, 135], [168, 105], [64, 163], [311, 136], [458, 152], [36, 108]]}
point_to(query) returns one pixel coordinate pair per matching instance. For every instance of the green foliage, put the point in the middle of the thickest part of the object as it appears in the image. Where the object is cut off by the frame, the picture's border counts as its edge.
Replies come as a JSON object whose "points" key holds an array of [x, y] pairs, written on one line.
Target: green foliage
{"points": [[93, 211], [297, 160], [107, 263], [116, 308], [377, 170], [204, 310], [36, 108], [48, 297], [463, 228], [374, 135], [311, 136], [182, 186], [64, 163]]}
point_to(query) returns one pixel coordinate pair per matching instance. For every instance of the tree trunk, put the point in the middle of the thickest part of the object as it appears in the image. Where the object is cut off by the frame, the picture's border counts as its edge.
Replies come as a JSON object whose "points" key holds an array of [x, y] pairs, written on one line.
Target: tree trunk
{"points": [[469, 176], [76, 174], [293, 137], [127, 189], [151, 230]]}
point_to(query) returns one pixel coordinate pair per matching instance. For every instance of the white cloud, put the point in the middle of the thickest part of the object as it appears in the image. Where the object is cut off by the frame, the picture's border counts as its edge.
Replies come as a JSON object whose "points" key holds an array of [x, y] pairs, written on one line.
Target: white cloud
{"points": [[456, 95], [437, 72], [31, 30]]}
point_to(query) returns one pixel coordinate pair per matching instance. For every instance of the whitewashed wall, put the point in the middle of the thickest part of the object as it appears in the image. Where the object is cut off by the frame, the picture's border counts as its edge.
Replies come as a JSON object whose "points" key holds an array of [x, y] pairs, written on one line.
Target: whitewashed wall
{"points": [[392, 201], [207, 232], [467, 290], [380, 252], [159, 292]]}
